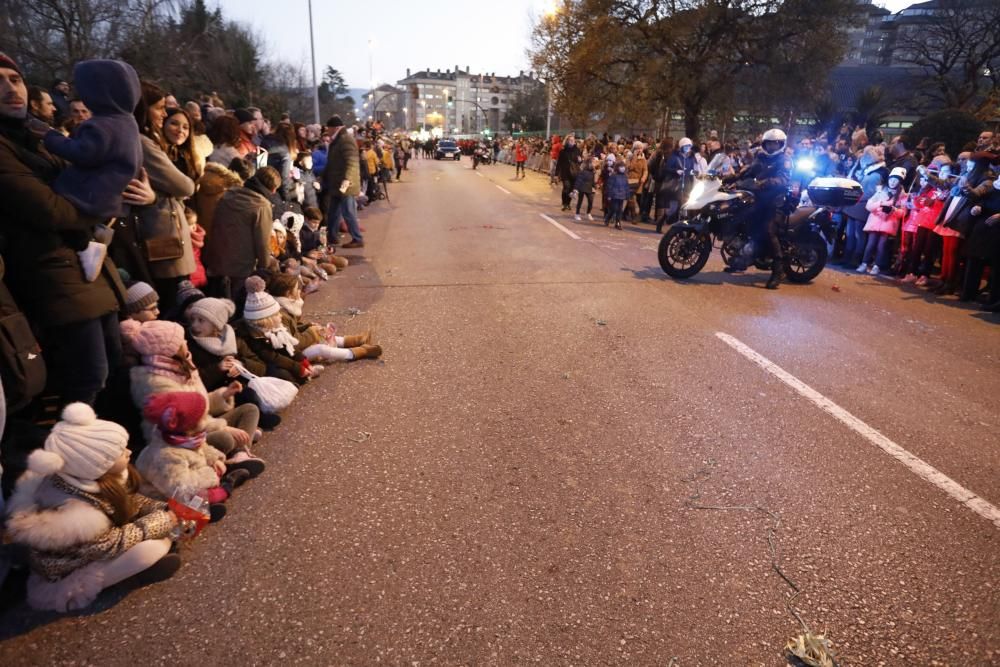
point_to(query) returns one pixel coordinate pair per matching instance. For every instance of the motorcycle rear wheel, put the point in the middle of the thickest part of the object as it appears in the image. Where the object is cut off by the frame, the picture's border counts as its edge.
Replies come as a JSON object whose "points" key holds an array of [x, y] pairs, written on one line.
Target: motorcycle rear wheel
{"points": [[683, 252], [805, 260]]}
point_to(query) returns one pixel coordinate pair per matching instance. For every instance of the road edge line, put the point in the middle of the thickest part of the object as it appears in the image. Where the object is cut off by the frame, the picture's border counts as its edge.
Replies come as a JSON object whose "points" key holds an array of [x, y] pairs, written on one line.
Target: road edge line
{"points": [[916, 465], [503, 190], [565, 231]]}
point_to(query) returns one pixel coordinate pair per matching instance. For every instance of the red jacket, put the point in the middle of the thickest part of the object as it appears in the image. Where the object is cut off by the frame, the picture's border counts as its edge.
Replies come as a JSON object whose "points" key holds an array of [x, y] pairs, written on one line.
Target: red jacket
{"points": [[519, 153]]}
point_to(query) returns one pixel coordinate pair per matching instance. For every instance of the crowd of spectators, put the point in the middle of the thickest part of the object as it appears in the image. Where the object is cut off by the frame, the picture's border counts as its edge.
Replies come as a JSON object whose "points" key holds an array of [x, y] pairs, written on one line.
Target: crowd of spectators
{"points": [[927, 218], [155, 261]]}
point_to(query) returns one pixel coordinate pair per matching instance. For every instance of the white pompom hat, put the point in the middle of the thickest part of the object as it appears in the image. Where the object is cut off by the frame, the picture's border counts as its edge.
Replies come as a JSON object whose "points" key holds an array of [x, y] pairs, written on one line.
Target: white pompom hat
{"points": [[80, 448]]}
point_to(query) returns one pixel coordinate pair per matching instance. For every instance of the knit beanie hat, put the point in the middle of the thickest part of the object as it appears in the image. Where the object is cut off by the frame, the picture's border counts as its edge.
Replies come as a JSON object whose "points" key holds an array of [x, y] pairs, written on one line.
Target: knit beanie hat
{"points": [[139, 297], [175, 412], [158, 337], [259, 303], [243, 116], [187, 293], [8, 62], [216, 311], [81, 447]]}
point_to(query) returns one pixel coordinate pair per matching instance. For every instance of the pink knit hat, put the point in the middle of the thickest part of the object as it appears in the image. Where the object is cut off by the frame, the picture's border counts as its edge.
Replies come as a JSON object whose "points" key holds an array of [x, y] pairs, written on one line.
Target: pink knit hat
{"points": [[158, 337]]}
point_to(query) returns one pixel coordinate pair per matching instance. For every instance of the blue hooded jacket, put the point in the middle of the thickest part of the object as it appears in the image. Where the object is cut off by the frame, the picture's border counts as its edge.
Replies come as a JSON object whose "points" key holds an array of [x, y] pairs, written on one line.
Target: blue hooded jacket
{"points": [[104, 152]]}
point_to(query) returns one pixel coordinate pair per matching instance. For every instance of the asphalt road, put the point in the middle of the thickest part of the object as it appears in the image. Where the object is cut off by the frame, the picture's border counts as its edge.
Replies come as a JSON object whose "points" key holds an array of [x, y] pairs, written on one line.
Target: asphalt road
{"points": [[550, 423]]}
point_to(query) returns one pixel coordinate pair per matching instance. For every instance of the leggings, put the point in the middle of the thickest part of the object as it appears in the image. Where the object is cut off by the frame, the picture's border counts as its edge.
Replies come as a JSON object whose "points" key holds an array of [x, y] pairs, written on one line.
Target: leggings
{"points": [[590, 202], [925, 250], [950, 259], [614, 211], [518, 169], [906, 249], [243, 417], [876, 241]]}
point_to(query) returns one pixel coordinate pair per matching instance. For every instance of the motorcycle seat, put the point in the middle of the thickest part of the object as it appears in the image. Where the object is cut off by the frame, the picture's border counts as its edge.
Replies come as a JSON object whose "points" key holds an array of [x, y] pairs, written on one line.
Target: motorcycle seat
{"points": [[800, 217]]}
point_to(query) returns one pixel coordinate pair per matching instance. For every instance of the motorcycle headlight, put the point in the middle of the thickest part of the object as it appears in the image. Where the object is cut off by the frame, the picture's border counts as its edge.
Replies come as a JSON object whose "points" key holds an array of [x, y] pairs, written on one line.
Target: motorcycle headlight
{"points": [[805, 164]]}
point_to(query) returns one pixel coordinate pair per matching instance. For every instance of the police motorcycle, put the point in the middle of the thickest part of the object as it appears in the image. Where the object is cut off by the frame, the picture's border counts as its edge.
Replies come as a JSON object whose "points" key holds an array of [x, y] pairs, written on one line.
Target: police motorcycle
{"points": [[716, 215], [481, 155]]}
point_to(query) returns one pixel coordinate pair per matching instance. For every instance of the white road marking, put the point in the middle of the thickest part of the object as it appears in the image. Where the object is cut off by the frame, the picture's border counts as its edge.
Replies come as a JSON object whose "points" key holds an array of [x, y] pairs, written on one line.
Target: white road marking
{"points": [[506, 192], [478, 174], [560, 227], [917, 466]]}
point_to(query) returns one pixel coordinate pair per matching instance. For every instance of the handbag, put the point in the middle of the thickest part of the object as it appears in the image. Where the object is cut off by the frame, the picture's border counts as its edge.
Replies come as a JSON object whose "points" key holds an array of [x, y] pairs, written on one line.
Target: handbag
{"points": [[274, 394], [165, 247]]}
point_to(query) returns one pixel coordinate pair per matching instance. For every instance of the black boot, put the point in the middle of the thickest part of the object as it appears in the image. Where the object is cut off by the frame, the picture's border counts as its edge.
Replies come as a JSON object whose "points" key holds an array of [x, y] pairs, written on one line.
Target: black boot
{"points": [[775, 279], [268, 421], [234, 478], [216, 511]]}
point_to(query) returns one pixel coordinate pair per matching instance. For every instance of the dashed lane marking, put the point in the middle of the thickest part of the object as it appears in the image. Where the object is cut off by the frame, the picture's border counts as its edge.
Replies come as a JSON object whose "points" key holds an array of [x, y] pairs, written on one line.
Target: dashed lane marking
{"points": [[478, 174], [560, 227], [503, 190], [916, 465]]}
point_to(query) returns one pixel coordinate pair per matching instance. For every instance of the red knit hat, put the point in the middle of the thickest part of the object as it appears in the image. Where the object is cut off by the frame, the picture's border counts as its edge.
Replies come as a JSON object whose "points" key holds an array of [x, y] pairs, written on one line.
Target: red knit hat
{"points": [[8, 62], [175, 412]]}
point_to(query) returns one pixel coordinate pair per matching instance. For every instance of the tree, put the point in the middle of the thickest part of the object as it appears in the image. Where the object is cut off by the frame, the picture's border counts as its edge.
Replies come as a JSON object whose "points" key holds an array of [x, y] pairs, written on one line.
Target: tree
{"points": [[627, 58], [952, 126], [528, 110], [179, 44], [870, 108], [957, 47]]}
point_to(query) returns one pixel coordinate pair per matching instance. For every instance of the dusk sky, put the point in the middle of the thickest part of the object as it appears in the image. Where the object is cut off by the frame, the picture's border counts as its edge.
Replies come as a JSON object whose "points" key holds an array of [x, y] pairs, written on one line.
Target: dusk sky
{"points": [[441, 34]]}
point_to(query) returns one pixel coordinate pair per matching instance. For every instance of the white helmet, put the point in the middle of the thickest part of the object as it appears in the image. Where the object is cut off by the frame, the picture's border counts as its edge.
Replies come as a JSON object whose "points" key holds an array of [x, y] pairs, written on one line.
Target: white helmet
{"points": [[776, 135]]}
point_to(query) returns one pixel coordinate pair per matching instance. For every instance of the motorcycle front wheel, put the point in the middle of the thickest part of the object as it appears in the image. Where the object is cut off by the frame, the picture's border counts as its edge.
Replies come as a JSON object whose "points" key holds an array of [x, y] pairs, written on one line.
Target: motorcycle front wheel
{"points": [[805, 259], [683, 251]]}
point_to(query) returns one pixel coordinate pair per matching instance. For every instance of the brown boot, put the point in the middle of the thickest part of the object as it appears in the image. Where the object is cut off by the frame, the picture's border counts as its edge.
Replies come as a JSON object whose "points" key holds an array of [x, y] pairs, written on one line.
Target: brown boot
{"points": [[339, 262], [367, 352], [359, 340]]}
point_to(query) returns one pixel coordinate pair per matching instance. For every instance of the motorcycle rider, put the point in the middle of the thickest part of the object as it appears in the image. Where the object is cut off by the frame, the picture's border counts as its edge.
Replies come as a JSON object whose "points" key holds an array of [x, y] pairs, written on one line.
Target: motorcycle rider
{"points": [[768, 177], [676, 176]]}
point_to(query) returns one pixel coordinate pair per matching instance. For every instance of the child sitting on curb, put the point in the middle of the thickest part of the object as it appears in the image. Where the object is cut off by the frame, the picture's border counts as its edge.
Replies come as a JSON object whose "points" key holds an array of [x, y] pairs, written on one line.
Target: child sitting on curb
{"points": [[218, 352], [269, 339], [316, 342], [77, 508], [178, 460]]}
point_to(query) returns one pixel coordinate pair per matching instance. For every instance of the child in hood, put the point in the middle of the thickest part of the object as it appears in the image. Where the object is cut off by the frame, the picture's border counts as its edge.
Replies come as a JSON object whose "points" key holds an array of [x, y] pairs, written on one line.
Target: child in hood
{"points": [[166, 366], [265, 333], [78, 510], [219, 353], [313, 244], [104, 151], [316, 342], [179, 462]]}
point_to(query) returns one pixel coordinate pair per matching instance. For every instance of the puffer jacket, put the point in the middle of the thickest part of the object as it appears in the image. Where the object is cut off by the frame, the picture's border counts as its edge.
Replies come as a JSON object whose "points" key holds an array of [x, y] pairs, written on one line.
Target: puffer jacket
{"points": [[878, 220], [169, 469], [165, 217], [67, 529], [293, 365], [617, 186], [208, 362]]}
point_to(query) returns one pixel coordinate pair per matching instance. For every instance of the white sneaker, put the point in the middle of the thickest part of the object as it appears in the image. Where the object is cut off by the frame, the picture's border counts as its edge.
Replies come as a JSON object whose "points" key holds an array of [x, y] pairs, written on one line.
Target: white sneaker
{"points": [[590, 217], [92, 260], [862, 268], [577, 218], [875, 271]]}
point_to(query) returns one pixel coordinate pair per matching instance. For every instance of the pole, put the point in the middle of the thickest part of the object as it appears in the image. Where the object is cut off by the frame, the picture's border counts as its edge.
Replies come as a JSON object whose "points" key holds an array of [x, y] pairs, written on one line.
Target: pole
{"points": [[548, 117], [312, 50]]}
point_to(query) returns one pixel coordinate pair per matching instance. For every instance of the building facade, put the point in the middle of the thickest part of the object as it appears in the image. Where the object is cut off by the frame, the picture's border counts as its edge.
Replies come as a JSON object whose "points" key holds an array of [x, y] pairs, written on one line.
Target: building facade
{"points": [[459, 102]]}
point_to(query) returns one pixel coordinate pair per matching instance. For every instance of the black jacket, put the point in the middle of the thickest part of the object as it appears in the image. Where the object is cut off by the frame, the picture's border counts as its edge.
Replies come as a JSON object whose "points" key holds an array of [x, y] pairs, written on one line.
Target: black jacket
{"points": [[568, 164], [768, 176]]}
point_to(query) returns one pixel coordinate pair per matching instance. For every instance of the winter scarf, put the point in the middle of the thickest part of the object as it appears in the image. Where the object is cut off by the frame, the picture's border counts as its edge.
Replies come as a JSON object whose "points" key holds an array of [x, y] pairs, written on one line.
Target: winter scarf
{"points": [[223, 345], [190, 441], [84, 489], [181, 372], [279, 337], [292, 306]]}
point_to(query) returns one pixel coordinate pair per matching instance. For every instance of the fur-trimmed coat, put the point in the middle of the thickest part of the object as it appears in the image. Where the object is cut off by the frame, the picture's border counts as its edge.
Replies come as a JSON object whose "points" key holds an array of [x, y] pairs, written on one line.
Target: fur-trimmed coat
{"points": [[68, 529], [145, 383], [167, 469]]}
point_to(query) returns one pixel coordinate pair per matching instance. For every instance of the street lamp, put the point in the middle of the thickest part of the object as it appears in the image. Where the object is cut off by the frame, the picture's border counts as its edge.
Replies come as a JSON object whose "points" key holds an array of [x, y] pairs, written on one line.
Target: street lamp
{"points": [[312, 50], [406, 123]]}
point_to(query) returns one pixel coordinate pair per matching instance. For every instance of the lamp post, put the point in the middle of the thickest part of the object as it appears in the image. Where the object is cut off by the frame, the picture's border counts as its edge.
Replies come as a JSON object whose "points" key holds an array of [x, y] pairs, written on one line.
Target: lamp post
{"points": [[406, 122], [550, 15], [312, 50]]}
